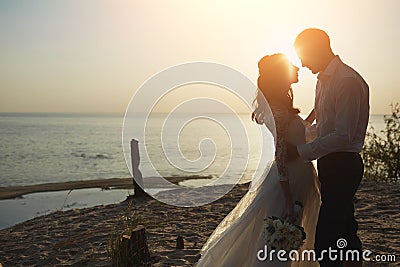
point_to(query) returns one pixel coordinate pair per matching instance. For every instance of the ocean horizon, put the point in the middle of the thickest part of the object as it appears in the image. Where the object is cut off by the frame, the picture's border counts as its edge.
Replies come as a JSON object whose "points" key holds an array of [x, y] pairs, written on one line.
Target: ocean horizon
{"points": [[58, 147]]}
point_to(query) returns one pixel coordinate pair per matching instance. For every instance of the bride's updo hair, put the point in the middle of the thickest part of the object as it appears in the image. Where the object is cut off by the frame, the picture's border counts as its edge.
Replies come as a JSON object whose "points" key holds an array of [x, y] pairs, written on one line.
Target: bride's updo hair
{"points": [[274, 83]]}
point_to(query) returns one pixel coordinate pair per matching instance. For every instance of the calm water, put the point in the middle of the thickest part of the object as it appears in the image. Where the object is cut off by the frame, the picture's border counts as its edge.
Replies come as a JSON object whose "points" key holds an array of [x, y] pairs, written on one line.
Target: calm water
{"points": [[41, 148]]}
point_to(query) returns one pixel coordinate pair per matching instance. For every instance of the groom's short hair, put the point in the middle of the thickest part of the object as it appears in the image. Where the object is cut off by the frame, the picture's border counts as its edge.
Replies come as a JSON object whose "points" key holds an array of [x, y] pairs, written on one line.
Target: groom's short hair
{"points": [[312, 38]]}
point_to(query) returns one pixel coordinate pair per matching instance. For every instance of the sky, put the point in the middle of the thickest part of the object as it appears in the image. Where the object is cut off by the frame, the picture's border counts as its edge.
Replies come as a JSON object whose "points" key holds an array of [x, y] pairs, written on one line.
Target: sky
{"points": [[92, 55]]}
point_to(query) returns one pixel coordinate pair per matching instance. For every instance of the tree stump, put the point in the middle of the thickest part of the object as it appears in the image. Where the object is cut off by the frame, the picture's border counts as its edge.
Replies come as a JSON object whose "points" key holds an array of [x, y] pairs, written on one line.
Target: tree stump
{"points": [[180, 243], [137, 244]]}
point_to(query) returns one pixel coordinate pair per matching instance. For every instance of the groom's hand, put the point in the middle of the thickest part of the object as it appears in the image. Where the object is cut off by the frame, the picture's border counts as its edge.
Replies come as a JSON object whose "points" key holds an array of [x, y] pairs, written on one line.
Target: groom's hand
{"points": [[292, 152]]}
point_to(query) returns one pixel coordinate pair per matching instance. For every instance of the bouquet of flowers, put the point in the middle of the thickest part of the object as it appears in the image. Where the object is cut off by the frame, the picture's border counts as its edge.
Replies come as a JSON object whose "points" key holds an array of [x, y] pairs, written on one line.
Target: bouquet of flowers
{"points": [[283, 235]]}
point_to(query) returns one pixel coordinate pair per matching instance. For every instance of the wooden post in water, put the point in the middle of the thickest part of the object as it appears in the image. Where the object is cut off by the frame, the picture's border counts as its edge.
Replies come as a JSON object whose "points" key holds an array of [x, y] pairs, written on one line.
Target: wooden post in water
{"points": [[137, 175]]}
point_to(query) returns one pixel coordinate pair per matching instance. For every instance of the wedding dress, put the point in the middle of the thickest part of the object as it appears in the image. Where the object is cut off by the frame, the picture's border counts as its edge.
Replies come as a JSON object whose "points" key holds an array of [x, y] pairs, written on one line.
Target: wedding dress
{"points": [[238, 238]]}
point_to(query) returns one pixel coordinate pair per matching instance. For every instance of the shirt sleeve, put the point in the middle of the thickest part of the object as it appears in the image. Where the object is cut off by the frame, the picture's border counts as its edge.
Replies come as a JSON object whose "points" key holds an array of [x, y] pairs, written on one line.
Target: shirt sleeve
{"points": [[347, 107], [281, 116]]}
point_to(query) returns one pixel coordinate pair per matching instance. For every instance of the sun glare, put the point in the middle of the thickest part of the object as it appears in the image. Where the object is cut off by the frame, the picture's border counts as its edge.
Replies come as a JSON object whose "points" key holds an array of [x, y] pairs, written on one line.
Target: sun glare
{"points": [[292, 56], [284, 44]]}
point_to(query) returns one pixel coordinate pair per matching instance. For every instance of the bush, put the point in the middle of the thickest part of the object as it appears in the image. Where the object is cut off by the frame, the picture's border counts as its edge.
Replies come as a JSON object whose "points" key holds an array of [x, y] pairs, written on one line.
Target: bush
{"points": [[382, 154]]}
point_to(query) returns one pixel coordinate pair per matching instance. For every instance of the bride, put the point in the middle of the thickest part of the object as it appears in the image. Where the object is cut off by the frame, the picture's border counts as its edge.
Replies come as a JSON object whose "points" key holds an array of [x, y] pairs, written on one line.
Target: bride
{"points": [[239, 237]]}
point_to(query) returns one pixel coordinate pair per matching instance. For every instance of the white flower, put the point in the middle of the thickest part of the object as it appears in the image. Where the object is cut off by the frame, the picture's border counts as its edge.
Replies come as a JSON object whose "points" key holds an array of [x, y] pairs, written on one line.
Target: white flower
{"points": [[281, 234]]}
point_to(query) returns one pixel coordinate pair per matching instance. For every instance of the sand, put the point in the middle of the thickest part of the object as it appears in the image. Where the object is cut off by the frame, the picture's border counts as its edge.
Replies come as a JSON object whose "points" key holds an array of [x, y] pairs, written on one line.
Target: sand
{"points": [[80, 237]]}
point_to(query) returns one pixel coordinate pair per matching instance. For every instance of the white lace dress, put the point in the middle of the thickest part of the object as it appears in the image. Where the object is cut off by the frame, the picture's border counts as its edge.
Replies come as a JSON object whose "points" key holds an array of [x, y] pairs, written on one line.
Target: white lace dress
{"points": [[238, 238]]}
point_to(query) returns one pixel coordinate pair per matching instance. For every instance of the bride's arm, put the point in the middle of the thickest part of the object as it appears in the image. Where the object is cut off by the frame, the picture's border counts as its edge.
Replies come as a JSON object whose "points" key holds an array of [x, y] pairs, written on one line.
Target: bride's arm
{"points": [[311, 129], [281, 156], [289, 203], [311, 117], [281, 117]]}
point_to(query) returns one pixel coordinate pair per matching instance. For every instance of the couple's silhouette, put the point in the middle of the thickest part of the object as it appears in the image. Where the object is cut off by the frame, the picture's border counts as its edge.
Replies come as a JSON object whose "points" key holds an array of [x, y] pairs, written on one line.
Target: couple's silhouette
{"points": [[341, 113]]}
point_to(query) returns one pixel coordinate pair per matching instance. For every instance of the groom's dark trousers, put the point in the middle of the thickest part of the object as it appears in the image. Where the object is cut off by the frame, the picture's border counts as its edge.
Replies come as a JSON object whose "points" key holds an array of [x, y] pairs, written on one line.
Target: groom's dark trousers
{"points": [[340, 175]]}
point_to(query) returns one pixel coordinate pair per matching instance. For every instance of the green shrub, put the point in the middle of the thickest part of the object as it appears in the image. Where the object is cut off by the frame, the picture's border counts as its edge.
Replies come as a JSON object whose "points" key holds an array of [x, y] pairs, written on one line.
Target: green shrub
{"points": [[382, 154]]}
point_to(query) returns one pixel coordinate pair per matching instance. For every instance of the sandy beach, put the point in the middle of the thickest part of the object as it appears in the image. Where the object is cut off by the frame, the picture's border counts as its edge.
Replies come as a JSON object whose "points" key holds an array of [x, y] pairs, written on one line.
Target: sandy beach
{"points": [[79, 237]]}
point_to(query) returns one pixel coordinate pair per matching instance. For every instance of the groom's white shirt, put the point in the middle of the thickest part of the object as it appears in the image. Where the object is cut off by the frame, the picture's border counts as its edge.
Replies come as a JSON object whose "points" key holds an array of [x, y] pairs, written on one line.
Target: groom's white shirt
{"points": [[342, 112]]}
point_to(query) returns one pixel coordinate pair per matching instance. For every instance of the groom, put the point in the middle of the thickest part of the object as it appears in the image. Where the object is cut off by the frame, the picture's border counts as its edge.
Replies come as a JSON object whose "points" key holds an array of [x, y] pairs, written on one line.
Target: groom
{"points": [[342, 111]]}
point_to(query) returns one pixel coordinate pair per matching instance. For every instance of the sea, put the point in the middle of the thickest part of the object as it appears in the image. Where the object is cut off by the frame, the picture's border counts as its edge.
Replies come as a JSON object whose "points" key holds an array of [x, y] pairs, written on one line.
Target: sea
{"points": [[38, 148], [47, 148], [51, 147]]}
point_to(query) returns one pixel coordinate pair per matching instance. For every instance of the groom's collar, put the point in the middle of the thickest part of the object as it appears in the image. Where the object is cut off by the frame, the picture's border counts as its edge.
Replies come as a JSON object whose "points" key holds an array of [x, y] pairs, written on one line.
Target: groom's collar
{"points": [[330, 69]]}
